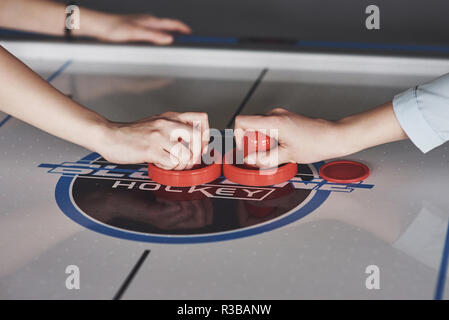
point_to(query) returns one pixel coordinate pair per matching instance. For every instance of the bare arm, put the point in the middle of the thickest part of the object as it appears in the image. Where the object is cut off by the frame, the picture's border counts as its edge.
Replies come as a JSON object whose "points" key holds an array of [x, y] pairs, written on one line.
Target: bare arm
{"points": [[26, 96], [368, 129]]}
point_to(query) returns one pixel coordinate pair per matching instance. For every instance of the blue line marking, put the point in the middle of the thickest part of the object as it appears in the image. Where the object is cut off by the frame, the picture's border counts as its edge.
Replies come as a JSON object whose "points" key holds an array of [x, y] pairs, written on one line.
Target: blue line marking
{"points": [[89, 158], [204, 39], [376, 46], [59, 71], [439, 291], [49, 79], [114, 170], [5, 120], [323, 44]]}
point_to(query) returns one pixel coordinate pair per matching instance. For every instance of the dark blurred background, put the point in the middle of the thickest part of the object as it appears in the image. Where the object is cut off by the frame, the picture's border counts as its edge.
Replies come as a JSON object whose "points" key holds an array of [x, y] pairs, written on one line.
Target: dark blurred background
{"points": [[406, 26], [402, 21]]}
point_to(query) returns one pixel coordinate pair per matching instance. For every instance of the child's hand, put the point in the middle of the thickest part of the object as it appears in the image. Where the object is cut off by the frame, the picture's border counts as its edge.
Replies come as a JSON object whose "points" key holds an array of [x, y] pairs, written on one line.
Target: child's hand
{"points": [[170, 140], [126, 28]]}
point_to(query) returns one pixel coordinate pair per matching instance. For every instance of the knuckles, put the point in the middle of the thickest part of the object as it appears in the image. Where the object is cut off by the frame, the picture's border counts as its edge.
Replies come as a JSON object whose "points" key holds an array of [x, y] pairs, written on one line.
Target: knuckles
{"points": [[161, 122], [279, 110]]}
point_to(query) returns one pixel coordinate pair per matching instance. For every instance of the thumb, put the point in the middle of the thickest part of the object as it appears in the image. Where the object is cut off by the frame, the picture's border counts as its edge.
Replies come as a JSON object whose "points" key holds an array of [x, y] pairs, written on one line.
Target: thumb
{"points": [[155, 36]]}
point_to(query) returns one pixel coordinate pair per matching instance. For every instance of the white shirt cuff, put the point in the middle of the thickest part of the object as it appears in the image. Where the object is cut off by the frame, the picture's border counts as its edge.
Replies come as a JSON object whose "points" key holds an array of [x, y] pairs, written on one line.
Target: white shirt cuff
{"points": [[410, 118]]}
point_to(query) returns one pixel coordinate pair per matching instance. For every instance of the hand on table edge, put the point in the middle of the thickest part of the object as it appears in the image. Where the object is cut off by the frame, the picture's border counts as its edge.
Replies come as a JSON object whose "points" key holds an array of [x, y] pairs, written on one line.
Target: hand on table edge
{"points": [[49, 17]]}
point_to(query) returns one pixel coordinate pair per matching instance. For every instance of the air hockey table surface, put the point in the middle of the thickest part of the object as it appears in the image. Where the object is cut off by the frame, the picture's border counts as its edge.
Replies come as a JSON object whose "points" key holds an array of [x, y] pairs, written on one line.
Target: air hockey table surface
{"points": [[62, 205]]}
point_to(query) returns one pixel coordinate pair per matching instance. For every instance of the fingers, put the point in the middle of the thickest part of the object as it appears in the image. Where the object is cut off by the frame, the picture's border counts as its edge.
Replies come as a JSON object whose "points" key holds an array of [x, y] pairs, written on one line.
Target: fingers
{"points": [[164, 160], [272, 121], [186, 133], [165, 24], [145, 28], [256, 122], [195, 147], [171, 154], [187, 146], [201, 120], [268, 159], [278, 111], [139, 33], [182, 136], [182, 153], [176, 157], [253, 123]]}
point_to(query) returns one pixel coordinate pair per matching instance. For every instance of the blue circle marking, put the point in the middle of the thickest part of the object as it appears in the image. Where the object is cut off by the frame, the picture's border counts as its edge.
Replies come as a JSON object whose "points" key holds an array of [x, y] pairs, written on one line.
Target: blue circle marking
{"points": [[65, 203]]}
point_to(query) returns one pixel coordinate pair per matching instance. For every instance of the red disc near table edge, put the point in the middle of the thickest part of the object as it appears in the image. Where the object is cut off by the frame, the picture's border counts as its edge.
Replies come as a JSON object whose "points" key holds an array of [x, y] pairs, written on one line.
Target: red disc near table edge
{"points": [[185, 178], [344, 171]]}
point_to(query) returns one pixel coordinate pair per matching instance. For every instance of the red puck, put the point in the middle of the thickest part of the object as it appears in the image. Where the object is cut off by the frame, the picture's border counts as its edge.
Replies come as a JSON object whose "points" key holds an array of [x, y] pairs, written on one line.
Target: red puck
{"points": [[254, 141], [250, 176], [344, 171], [199, 174]]}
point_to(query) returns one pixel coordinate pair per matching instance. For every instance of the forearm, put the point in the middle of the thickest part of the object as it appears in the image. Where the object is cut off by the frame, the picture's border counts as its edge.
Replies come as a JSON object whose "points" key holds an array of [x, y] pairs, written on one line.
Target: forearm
{"points": [[43, 16], [26, 96], [368, 129]]}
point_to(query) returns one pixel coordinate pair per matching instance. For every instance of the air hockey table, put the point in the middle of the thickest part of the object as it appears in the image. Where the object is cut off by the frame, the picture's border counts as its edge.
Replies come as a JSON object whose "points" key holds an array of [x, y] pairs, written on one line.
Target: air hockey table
{"points": [[131, 238]]}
